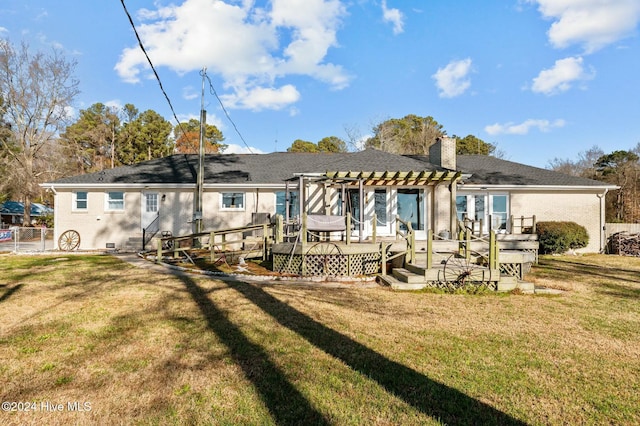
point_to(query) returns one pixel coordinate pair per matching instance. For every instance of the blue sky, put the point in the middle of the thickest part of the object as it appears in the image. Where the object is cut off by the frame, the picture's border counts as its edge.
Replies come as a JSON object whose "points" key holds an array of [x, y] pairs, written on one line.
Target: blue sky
{"points": [[541, 79]]}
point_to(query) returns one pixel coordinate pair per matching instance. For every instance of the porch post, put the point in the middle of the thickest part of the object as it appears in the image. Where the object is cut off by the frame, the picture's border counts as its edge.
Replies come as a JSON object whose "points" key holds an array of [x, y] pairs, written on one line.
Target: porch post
{"points": [[429, 248], [361, 218], [286, 202], [212, 246], [303, 243], [301, 194], [453, 209], [279, 230], [374, 230]]}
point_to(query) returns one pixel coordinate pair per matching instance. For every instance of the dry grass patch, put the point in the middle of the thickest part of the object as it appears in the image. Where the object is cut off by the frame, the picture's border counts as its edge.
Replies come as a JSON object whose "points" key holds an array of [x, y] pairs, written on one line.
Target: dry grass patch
{"points": [[145, 346]]}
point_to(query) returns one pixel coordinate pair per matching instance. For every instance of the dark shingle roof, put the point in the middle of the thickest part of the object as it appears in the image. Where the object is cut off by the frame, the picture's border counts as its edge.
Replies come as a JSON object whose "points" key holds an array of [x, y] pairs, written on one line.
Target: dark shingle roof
{"points": [[279, 166], [242, 168], [487, 170]]}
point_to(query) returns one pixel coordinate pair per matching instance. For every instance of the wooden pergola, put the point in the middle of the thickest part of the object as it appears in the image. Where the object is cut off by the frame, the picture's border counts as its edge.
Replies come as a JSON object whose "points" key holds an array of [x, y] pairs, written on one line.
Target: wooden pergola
{"points": [[376, 178]]}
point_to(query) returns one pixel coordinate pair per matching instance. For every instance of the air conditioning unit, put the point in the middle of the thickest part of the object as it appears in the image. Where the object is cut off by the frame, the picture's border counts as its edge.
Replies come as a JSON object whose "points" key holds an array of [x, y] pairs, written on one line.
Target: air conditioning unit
{"points": [[260, 218]]}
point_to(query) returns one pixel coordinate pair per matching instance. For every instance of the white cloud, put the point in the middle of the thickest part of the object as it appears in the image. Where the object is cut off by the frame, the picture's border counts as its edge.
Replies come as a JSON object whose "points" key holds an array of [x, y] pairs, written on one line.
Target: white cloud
{"points": [[114, 103], [249, 47], [258, 98], [453, 80], [240, 149], [190, 93], [561, 76], [592, 24], [524, 127], [393, 16]]}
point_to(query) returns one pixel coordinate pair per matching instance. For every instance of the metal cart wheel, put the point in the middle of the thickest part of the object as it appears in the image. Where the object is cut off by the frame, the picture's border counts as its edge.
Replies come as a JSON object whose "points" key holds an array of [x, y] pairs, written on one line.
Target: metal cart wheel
{"points": [[462, 271], [69, 240], [323, 252]]}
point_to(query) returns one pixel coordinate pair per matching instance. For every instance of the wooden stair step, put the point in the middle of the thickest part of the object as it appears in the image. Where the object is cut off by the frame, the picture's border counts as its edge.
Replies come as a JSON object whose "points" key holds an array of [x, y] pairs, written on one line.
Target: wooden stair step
{"points": [[408, 276]]}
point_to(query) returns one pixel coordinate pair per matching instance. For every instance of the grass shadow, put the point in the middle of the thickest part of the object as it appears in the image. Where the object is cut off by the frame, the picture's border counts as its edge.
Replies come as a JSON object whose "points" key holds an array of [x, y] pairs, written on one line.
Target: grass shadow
{"points": [[435, 399], [9, 292], [617, 290], [285, 403], [572, 268]]}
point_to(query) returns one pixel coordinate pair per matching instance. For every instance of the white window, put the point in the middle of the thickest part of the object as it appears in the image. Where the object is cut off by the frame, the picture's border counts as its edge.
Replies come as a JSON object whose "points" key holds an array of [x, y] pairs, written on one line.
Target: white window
{"points": [[232, 201], [80, 201], [151, 202], [115, 201], [499, 212], [480, 209], [281, 207]]}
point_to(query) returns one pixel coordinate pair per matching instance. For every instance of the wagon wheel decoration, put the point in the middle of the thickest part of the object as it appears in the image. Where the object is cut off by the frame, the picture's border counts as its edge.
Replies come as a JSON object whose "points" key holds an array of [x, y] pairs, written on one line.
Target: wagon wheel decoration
{"points": [[69, 240], [324, 251], [462, 271]]}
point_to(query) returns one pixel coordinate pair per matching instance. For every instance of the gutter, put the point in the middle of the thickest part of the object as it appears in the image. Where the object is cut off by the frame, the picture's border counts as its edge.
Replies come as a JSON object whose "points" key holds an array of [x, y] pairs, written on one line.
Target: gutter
{"points": [[485, 187]]}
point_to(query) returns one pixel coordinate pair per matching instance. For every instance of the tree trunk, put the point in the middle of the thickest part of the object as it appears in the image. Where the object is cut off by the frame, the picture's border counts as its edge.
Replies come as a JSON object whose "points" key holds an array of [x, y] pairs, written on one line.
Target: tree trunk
{"points": [[27, 211]]}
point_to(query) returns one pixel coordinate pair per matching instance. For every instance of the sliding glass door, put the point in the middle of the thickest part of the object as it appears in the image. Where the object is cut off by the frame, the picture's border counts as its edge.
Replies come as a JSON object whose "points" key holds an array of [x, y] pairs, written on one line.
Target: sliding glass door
{"points": [[410, 207]]}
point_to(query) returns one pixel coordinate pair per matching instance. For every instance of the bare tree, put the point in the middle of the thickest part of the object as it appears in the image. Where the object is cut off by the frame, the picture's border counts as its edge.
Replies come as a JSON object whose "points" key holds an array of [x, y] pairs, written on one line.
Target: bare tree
{"points": [[38, 90]]}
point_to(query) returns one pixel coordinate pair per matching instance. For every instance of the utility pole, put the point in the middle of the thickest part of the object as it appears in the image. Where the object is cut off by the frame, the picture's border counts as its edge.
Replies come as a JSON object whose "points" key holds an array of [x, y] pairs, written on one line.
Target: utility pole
{"points": [[197, 215]]}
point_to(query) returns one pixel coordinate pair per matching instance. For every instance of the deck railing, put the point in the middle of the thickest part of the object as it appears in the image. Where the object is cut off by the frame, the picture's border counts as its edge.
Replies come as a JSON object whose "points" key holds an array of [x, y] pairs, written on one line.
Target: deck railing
{"points": [[219, 241], [515, 225], [522, 224]]}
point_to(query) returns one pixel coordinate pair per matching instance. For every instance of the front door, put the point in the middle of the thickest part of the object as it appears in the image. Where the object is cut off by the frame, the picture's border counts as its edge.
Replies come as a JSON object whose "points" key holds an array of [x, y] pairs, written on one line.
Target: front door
{"points": [[150, 208]]}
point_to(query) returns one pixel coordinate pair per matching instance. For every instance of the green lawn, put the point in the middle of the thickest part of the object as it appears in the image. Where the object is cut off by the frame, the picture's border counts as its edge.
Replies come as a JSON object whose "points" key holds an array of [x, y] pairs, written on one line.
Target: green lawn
{"points": [[138, 346]]}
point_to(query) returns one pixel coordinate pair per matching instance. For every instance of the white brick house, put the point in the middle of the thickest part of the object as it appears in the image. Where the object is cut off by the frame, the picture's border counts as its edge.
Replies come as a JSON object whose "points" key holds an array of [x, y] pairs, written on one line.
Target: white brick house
{"points": [[107, 208]]}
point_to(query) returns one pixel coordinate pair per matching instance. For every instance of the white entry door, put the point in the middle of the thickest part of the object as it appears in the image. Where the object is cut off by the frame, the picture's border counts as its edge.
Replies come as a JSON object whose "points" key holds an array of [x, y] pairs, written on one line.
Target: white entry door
{"points": [[150, 208]]}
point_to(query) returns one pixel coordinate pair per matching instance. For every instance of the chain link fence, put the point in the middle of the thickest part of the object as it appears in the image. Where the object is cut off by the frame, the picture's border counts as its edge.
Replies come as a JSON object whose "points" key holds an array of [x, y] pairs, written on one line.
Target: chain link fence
{"points": [[23, 240]]}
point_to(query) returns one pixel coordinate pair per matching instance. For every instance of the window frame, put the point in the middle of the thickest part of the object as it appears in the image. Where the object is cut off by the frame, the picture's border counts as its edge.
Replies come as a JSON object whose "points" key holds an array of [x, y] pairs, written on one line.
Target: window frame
{"points": [[232, 207], [488, 203], [108, 201], [74, 203], [280, 203], [151, 199]]}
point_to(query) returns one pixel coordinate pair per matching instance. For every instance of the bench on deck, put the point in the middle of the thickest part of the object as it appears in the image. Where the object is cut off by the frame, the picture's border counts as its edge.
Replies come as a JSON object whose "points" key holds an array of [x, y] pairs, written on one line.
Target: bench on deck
{"points": [[326, 224]]}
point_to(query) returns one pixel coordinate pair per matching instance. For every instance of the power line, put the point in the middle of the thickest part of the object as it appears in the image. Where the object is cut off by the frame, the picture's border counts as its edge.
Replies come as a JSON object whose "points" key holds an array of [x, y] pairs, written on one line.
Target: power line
{"points": [[153, 68], [213, 92]]}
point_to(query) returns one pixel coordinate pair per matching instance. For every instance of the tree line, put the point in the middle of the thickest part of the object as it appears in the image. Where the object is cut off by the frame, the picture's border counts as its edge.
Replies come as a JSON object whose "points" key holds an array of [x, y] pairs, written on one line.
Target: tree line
{"points": [[409, 135], [620, 168]]}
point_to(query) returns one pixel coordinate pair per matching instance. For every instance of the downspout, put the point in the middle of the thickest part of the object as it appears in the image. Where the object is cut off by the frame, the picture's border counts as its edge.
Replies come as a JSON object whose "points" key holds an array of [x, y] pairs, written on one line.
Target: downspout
{"points": [[603, 226], [55, 216]]}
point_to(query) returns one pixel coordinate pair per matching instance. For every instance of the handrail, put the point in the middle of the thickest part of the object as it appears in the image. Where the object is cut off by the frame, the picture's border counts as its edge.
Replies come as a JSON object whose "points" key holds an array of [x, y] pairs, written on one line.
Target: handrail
{"points": [[150, 231], [409, 236]]}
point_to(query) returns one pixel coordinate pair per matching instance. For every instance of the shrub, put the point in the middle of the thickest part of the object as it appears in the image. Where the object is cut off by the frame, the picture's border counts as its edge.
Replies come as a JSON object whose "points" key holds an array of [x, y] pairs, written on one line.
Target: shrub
{"points": [[559, 237], [46, 219]]}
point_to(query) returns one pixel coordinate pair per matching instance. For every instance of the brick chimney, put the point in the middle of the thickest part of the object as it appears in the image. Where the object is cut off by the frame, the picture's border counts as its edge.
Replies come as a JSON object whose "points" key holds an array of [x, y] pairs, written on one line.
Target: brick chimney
{"points": [[443, 153]]}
